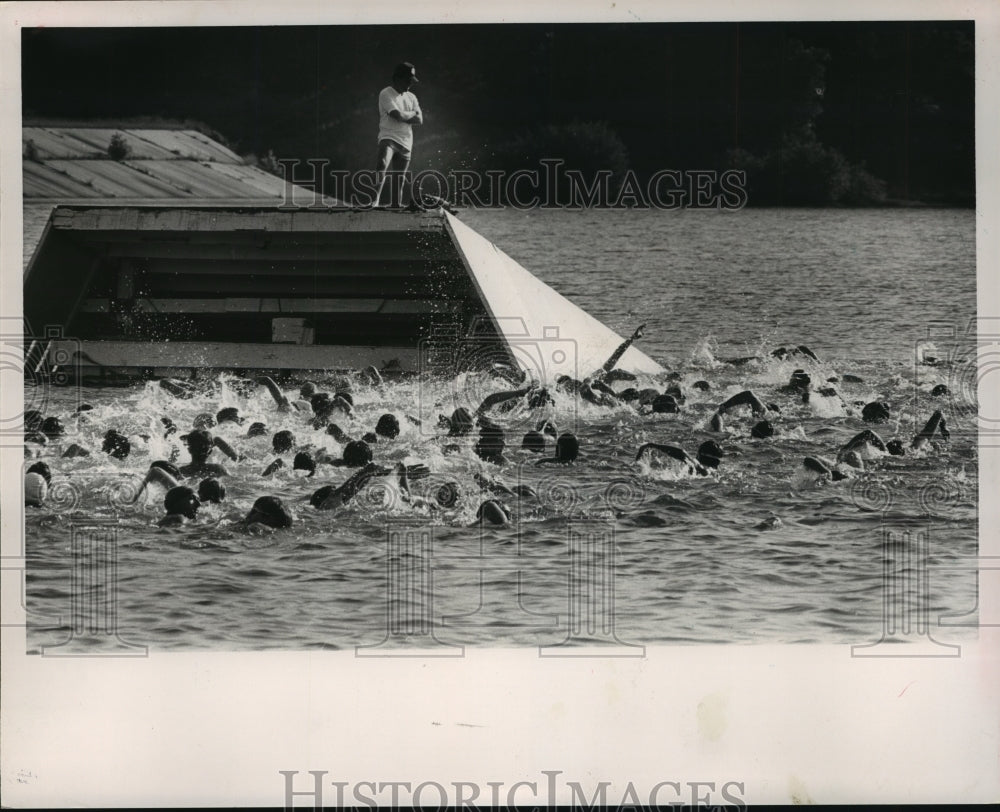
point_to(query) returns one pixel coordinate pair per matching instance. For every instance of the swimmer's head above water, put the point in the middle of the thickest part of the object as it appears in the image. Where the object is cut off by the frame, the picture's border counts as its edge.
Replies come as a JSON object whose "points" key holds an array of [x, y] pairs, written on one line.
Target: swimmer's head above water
{"points": [[269, 511]]}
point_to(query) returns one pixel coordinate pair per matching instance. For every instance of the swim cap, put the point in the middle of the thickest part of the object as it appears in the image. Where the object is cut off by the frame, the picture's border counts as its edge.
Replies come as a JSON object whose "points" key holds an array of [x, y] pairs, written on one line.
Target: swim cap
{"points": [[84, 407], [211, 490], [229, 415], [387, 426], [204, 421], [357, 453], [567, 447], [370, 437], [269, 510], [533, 441], [875, 412], [940, 390], [257, 430], [43, 469], [115, 444], [304, 462], [320, 496], [36, 489], [345, 395], [321, 403], [283, 441], [75, 450], [895, 447], [762, 430], [52, 427], [181, 501], [461, 422], [709, 454], [493, 512], [491, 444], [664, 404], [199, 442], [307, 390], [704, 386]]}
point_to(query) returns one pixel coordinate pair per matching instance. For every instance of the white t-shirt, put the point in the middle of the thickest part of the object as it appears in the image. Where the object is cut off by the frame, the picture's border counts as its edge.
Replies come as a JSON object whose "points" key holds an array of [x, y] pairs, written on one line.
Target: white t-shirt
{"points": [[398, 131]]}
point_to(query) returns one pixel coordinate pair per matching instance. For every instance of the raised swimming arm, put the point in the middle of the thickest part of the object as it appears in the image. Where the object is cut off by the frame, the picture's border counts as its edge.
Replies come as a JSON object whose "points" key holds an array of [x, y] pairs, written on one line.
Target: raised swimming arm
{"points": [[225, 448], [349, 489], [501, 397], [617, 354], [158, 475], [865, 437], [744, 398], [275, 391], [933, 425]]}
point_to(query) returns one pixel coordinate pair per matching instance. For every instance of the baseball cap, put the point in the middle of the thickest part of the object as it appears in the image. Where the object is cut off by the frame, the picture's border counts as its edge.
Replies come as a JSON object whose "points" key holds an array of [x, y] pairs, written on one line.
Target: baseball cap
{"points": [[406, 69]]}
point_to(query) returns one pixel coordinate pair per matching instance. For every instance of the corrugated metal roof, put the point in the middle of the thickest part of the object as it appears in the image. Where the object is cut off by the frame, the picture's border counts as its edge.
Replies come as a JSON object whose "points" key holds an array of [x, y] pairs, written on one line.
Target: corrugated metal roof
{"points": [[93, 142], [176, 166], [169, 167]]}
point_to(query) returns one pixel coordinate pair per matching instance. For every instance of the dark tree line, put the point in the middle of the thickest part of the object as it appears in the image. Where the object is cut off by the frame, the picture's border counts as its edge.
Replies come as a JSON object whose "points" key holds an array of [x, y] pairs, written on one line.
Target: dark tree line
{"points": [[816, 113]]}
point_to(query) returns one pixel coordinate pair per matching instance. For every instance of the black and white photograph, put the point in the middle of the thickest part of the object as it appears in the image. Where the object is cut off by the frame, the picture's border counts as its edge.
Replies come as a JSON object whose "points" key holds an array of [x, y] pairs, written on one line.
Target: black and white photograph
{"points": [[537, 366]]}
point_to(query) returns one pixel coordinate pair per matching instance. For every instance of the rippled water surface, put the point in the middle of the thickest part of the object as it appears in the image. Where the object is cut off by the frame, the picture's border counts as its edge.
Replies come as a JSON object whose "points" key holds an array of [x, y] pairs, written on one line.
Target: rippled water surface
{"points": [[611, 550]]}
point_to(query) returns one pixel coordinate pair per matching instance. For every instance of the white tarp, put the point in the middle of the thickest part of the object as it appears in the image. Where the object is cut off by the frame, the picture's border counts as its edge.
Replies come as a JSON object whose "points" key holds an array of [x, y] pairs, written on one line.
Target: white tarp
{"points": [[548, 335]]}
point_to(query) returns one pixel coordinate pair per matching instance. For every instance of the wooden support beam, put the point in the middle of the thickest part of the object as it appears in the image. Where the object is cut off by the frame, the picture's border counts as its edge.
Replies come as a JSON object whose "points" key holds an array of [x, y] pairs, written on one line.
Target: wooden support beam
{"points": [[223, 355], [282, 305]]}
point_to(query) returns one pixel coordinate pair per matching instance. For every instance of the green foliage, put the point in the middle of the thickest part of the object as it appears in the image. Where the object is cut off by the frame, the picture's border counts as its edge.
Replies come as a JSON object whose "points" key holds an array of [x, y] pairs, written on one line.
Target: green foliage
{"points": [[586, 146], [804, 172]]}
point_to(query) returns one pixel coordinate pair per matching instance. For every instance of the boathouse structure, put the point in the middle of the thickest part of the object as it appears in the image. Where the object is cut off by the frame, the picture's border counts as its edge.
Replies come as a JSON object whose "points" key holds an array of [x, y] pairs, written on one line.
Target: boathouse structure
{"points": [[184, 264]]}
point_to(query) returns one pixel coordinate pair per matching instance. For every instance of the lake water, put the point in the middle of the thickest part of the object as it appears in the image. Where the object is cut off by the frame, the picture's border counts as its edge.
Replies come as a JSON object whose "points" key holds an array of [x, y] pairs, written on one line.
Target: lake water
{"points": [[611, 551]]}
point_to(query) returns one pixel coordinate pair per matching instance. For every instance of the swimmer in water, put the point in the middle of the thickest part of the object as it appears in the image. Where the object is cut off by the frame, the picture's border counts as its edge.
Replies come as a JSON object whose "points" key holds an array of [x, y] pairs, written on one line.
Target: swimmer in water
{"points": [[200, 444], [615, 357], [934, 425], [181, 505], [498, 488], [36, 484], [679, 454], [567, 450], [284, 404], [267, 514], [329, 497], [494, 512]]}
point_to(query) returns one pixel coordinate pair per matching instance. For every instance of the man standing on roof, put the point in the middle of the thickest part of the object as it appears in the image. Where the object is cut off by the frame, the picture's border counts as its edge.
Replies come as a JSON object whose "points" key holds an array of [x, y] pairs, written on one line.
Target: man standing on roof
{"points": [[398, 111]]}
